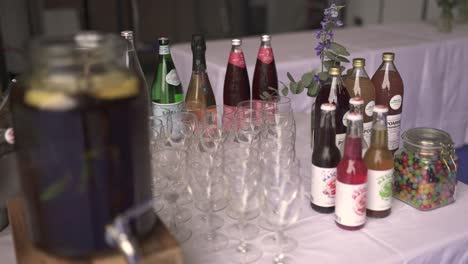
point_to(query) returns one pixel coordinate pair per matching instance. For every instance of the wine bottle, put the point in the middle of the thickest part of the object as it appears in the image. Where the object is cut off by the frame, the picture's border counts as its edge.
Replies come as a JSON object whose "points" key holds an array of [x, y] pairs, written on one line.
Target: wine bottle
{"points": [[265, 78], [166, 92], [236, 82], [199, 89]]}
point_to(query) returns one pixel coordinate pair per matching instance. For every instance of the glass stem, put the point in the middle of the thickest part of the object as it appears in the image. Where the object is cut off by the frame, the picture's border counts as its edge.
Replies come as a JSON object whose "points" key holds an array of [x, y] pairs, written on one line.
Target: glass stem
{"points": [[173, 221], [211, 230], [279, 240], [243, 244]]}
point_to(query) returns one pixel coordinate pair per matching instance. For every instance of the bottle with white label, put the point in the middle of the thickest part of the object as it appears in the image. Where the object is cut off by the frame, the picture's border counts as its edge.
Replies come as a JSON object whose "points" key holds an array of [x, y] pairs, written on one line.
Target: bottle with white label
{"points": [[167, 95], [389, 90], [379, 163], [351, 179], [332, 91], [359, 85], [356, 104], [325, 159]]}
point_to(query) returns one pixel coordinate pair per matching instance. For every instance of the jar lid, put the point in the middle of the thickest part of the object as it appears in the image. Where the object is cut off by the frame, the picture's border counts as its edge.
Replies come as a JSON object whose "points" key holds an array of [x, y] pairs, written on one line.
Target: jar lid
{"points": [[428, 138]]}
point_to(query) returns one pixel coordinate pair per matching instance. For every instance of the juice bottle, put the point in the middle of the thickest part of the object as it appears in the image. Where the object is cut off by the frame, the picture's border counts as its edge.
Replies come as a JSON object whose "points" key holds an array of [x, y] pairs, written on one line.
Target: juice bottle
{"points": [[379, 163], [236, 82], [265, 77], [359, 85], [325, 159], [356, 104], [389, 92], [334, 92], [351, 181]]}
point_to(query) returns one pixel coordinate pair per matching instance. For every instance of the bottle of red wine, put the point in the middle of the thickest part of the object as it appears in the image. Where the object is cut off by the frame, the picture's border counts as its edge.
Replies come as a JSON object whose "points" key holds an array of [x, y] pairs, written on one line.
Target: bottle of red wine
{"points": [[265, 78], [236, 82]]}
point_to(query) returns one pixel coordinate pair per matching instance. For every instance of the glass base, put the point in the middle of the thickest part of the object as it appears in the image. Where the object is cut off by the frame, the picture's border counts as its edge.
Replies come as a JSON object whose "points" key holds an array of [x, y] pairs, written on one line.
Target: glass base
{"points": [[184, 198], [200, 222], [218, 205], [181, 233], [246, 232], [211, 242], [282, 259], [244, 253], [270, 244], [183, 215]]}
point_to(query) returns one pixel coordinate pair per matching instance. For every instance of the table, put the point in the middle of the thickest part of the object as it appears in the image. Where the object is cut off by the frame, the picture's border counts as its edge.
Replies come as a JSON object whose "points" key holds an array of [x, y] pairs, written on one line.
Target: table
{"points": [[431, 64], [407, 236]]}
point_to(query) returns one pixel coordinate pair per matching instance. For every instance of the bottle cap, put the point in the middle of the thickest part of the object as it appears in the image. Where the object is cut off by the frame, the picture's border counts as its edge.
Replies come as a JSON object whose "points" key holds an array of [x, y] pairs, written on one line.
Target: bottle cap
{"points": [[380, 109], [388, 56], [265, 38], [198, 42], [328, 107], [236, 42], [334, 71], [163, 41], [126, 33], [354, 116], [356, 101], [359, 62]]}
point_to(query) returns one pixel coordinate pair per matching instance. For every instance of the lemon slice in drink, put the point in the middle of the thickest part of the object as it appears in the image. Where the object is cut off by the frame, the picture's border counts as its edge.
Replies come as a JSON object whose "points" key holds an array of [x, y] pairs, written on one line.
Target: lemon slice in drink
{"points": [[114, 86], [49, 100]]}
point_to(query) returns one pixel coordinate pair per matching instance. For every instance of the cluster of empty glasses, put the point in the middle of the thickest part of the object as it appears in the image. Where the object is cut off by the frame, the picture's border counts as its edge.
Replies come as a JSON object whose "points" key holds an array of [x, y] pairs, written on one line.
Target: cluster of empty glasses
{"points": [[237, 159]]}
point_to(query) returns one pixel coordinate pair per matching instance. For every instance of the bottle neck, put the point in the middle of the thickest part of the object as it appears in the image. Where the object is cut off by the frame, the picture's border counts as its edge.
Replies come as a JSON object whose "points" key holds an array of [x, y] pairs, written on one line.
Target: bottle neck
{"points": [[387, 66], [353, 142], [164, 50], [327, 128], [356, 108], [199, 61], [379, 138], [236, 49], [265, 44], [359, 72]]}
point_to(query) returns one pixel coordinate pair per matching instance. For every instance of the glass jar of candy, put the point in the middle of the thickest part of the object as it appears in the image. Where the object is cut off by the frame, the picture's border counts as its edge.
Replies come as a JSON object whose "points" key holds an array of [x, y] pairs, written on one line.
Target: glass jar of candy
{"points": [[425, 174]]}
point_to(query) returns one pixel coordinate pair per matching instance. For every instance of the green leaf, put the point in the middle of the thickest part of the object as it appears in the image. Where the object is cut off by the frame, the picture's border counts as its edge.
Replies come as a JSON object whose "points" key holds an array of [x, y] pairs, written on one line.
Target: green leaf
{"points": [[307, 78], [323, 76], [55, 189], [333, 56], [313, 91], [300, 87], [285, 91], [293, 87], [339, 49], [328, 64], [290, 77], [342, 68]]}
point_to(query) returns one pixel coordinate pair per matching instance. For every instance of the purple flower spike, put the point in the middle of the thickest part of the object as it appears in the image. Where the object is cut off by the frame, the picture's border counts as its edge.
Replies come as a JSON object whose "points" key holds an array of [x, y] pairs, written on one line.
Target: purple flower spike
{"points": [[318, 34], [331, 34], [316, 78]]}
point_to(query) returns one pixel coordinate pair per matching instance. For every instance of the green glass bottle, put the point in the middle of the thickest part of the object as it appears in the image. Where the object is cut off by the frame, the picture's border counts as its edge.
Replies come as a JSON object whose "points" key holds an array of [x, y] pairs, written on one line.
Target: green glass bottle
{"points": [[167, 95]]}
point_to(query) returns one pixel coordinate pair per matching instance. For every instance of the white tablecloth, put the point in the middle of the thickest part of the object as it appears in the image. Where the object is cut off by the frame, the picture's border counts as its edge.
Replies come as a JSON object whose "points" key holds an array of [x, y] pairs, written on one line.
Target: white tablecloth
{"points": [[407, 236], [432, 64]]}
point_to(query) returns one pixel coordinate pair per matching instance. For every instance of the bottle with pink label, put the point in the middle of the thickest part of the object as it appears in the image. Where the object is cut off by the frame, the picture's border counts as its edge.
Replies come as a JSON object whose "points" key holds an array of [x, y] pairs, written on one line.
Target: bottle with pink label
{"points": [[236, 82], [265, 78], [351, 182], [325, 159]]}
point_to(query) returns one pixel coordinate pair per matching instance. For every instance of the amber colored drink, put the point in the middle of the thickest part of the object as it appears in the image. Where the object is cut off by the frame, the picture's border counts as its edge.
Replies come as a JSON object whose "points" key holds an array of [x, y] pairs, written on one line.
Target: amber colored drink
{"points": [[265, 78], [325, 159], [351, 182], [236, 82], [359, 85], [389, 91], [379, 163]]}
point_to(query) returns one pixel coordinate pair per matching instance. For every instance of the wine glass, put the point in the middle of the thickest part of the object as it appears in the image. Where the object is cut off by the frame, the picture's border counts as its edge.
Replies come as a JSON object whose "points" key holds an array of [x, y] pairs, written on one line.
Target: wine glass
{"points": [[171, 163], [244, 183], [206, 179], [156, 140], [196, 108], [181, 127], [282, 202]]}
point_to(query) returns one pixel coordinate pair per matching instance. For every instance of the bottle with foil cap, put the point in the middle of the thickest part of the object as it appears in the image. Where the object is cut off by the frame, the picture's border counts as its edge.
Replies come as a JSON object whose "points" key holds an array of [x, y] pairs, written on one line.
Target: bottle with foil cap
{"points": [[389, 90], [356, 105], [166, 91], [133, 63], [236, 81], [199, 89], [265, 78], [351, 179], [325, 159], [81, 132], [332, 91], [379, 163], [359, 85]]}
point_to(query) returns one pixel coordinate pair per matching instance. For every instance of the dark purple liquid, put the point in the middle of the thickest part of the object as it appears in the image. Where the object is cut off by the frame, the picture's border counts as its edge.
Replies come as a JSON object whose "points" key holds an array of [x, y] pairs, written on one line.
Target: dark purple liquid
{"points": [[342, 106], [236, 85], [80, 168], [264, 76]]}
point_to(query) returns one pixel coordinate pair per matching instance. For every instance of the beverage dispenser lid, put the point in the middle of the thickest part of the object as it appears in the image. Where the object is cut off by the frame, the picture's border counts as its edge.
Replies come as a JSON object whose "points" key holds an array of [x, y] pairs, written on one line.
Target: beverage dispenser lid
{"points": [[428, 138]]}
